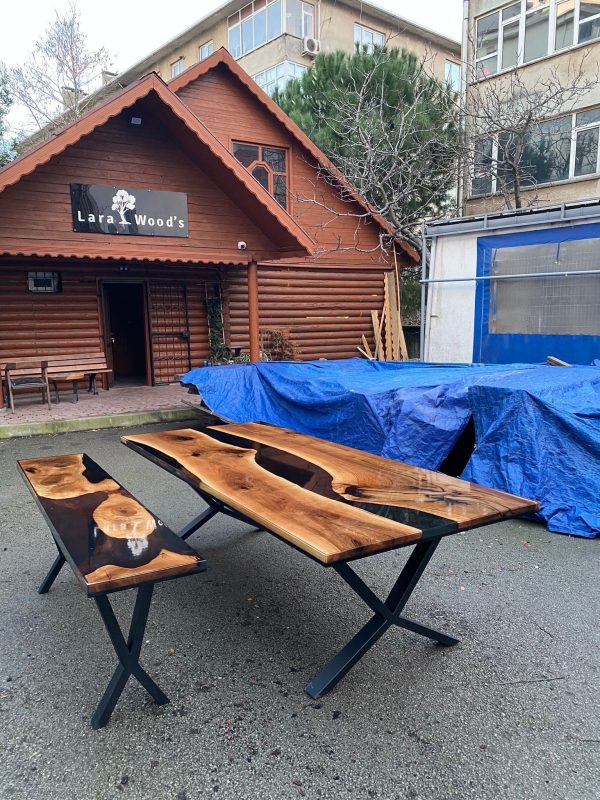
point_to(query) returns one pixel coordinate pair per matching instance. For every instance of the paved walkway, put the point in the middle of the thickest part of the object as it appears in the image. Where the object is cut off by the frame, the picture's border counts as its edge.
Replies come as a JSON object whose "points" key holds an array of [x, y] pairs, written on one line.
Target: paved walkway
{"points": [[29, 409]]}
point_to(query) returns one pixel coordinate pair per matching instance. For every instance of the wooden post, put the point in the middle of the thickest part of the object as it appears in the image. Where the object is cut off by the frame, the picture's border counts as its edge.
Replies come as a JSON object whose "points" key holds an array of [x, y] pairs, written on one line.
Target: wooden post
{"points": [[253, 318]]}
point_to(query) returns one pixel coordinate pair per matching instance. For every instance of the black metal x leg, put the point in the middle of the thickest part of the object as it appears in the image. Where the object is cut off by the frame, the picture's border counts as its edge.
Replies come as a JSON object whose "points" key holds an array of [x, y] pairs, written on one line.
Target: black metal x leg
{"points": [[387, 613], [198, 522], [52, 574], [215, 507], [128, 654]]}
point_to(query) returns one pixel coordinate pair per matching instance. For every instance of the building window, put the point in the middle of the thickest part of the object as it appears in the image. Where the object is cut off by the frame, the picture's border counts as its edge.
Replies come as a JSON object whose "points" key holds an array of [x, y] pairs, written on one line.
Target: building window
{"points": [[452, 75], [299, 18], [177, 67], [530, 29], [366, 38], [278, 76], [206, 50], [256, 23], [268, 165], [43, 281], [551, 306], [557, 150]]}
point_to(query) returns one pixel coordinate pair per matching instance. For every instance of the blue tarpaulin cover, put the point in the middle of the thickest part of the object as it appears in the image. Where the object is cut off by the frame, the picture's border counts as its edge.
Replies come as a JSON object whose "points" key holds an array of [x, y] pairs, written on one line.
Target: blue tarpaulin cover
{"points": [[537, 427]]}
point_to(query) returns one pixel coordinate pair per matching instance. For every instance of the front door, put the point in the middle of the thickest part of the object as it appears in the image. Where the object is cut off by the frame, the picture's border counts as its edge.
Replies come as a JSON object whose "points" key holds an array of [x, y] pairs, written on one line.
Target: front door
{"points": [[126, 332]]}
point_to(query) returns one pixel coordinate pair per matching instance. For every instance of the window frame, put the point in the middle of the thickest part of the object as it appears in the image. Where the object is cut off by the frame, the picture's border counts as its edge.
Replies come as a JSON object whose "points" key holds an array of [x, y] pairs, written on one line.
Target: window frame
{"points": [[178, 61], [361, 43], [522, 16], [286, 75], [256, 7], [209, 44], [574, 132], [448, 74], [261, 162]]}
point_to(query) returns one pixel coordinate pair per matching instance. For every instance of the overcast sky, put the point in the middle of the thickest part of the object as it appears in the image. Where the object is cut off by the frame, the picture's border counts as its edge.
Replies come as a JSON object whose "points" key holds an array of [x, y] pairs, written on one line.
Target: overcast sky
{"points": [[132, 30]]}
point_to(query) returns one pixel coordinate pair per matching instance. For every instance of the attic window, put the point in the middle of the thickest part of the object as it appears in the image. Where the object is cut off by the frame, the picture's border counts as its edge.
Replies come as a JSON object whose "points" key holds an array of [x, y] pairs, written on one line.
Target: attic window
{"points": [[268, 165]]}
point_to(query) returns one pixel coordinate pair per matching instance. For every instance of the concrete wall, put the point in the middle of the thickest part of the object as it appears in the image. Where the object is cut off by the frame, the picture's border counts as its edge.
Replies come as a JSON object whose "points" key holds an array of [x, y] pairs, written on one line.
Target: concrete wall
{"points": [[334, 26]]}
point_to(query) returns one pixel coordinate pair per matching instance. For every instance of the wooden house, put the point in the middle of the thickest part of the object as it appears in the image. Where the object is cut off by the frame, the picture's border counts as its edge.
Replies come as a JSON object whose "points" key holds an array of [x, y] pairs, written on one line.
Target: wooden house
{"points": [[115, 232]]}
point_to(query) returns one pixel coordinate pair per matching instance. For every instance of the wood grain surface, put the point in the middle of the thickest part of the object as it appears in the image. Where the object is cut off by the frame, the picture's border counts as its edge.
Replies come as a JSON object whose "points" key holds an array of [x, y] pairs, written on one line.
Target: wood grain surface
{"points": [[361, 477], [110, 539], [327, 529]]}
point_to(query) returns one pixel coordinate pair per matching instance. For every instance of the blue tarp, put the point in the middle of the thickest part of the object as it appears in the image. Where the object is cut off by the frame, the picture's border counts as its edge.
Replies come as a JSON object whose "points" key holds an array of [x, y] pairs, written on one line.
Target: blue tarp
{"points": [[537, 427]]}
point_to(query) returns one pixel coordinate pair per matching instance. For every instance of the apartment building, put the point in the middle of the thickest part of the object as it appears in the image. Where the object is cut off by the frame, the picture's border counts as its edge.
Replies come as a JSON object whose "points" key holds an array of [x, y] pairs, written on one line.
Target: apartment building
{"points": [[276, 40], [537, 38]]}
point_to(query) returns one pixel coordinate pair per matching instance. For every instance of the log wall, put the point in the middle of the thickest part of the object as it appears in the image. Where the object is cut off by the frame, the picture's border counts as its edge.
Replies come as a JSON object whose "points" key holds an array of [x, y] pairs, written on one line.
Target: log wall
{"points": [[37, 323], [325, 311]]}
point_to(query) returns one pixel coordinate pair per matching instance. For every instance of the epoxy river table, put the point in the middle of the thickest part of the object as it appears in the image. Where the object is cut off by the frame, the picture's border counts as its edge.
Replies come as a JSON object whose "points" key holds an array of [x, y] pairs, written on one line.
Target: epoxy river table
{"points": [[334, 504]]}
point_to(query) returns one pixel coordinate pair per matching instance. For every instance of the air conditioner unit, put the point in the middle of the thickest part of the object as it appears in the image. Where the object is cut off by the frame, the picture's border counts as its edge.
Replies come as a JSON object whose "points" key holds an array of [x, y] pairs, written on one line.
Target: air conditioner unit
{"points": [[310, 46]]}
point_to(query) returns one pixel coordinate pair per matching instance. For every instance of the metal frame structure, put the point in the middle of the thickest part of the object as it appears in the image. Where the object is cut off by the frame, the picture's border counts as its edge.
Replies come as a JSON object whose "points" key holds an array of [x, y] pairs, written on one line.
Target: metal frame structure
{"points": [[387, 612], [577, 211], [128, 652]]}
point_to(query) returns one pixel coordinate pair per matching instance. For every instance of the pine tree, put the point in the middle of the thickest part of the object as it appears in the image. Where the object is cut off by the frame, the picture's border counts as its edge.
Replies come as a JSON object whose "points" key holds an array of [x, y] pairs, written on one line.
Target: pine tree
{"points": [[387, 124]]}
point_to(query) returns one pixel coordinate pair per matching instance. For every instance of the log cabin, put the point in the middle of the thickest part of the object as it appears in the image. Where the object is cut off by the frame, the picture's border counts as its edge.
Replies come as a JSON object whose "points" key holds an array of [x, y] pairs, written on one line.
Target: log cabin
{"points": [[116, 232]]}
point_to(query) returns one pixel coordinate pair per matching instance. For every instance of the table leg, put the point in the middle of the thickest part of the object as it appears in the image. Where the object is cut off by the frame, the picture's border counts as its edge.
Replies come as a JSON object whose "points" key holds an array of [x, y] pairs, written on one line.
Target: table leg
{"points": [[198, 522], [387, 613], [128, 654]]}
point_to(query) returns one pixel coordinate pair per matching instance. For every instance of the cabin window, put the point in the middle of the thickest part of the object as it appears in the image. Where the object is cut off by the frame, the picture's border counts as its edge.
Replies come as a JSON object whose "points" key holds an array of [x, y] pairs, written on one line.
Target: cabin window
{"points": [[177, 67], [268, 165], [206, 50], [43, 281]]}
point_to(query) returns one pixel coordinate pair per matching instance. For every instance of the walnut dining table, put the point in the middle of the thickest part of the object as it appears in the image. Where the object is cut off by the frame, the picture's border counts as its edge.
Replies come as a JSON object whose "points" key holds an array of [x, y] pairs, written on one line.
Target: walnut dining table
{"points": [[332, 503]]}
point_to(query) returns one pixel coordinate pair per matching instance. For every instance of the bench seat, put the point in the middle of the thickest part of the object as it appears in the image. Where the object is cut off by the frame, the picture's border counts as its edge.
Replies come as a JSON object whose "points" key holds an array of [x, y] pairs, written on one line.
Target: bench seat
{"points": [[113, 543]]}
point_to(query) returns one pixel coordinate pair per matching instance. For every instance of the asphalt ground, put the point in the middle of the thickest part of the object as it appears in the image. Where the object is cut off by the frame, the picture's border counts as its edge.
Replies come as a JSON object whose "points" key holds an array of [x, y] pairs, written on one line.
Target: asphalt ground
{"points": [[510, 713]]}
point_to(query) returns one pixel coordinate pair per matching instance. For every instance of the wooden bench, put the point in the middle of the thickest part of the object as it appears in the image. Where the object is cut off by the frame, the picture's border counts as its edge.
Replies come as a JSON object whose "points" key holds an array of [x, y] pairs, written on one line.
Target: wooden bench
{"points": [[74, 368], [71, 367], [26, 373], [112, 542]]}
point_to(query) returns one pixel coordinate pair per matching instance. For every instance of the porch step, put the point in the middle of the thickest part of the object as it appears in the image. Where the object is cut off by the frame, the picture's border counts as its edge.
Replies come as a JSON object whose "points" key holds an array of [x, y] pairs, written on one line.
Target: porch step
{"points": [[10, 431]]}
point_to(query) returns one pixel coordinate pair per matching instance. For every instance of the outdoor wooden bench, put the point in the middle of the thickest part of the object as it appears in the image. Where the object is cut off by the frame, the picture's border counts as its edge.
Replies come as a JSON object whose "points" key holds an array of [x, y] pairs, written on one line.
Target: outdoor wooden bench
{"points": [[74, 368], [26, 373], [332, 503], [112, 543], [70, 367]]}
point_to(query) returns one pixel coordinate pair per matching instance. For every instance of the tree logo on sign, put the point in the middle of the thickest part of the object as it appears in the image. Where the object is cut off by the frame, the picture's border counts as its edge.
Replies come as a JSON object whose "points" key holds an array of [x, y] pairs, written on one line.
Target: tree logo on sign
{"points": [[122, 202]]}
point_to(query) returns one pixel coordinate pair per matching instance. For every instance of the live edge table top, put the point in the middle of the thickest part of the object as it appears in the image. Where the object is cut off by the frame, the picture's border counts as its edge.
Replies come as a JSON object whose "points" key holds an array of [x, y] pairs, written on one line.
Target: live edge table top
{"points": [[333, 502]]}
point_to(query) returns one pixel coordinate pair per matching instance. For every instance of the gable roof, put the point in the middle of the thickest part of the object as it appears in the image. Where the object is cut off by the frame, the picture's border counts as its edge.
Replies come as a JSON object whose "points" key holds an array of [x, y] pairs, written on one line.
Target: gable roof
{"points": [[222, 57], [257, 203]]}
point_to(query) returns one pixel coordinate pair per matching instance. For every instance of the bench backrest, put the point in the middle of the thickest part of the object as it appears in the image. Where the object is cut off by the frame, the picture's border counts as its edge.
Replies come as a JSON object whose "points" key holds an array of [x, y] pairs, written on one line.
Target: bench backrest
{"points": [[24, 368], [70, 362]]}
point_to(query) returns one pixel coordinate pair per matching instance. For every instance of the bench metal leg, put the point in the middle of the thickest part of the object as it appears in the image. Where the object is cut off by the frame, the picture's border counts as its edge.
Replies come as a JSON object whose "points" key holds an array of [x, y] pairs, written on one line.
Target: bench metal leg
{"points": [[75, 391], [128, 654], [52, 575], [387, 613]]}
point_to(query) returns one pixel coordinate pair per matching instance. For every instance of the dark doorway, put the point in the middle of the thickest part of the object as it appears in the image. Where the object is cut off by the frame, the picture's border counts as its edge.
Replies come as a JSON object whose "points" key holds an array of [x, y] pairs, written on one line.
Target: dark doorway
{"points": [[126, 331]]}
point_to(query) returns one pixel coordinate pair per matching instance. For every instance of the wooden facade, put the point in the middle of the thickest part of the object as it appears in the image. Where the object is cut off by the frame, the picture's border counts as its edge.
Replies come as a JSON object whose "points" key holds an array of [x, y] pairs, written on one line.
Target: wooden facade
{"points": [[320, 270]]}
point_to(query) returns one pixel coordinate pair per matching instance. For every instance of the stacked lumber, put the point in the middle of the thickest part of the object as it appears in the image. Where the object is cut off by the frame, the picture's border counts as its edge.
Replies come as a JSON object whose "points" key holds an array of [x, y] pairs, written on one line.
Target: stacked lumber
{"points": [[390, 344]]}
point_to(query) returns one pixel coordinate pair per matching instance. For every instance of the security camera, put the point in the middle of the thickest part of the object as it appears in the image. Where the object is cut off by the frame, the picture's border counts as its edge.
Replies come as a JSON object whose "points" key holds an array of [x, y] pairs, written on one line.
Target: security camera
{"points": [[242, 245]]}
